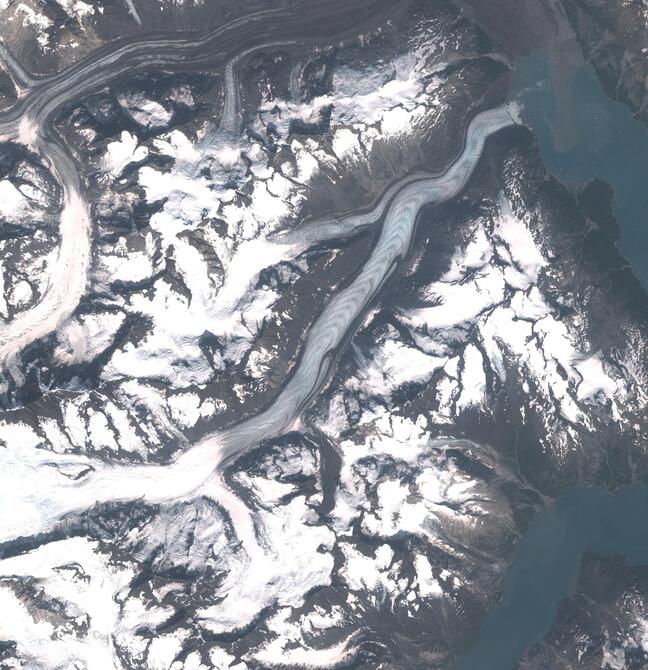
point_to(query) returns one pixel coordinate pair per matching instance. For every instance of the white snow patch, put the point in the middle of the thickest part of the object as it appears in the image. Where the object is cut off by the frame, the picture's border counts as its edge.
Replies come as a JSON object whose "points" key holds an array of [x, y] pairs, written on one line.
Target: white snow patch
{"points": [[73, 572], [185, 408], [391, 365], [519, 240], [122, 153], [428, 586], [22, 293], [76, 8], [595, 381], [459, 302], [147, 113], [13, 204], [473, 379], [294, 560], [32, 17]]}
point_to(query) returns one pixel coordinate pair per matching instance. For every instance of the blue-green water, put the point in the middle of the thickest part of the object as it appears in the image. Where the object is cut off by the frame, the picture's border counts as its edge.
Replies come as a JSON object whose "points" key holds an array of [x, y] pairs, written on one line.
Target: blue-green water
{"points": [[546, 566], [582, 134]]}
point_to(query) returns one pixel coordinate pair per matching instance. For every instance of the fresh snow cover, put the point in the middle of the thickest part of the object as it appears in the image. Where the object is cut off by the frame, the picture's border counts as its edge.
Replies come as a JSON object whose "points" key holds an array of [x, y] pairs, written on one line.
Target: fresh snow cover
{"points": [[272, 547], [384, 579], [477, 253], [259, 363], [363, 96], [13, 204], [301, 656], [185, 408], [76, 8], [269, 491], [392, 364], [473, 379], [235, 311], [397, 121], [75, 573], [171, 351], [530, 305], [19, 432], [32, 17], [180, 323], [428, 586], [84, 338], [288, 646], [394, 435], [367, 573], [595, 381], [3, 301], [162, 651], [126, 265], [458, 303], [519, 240], [345, 141], [290, 564], [492, 286], [147, 113], [22, 293], [100, 433], [113, 426], [122, 153], [400, 438], [394, 513]]}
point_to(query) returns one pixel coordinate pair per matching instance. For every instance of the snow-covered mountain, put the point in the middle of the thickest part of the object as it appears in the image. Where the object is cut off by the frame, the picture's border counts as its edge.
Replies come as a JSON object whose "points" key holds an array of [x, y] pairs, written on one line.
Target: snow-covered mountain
{"points": [[296, 334]]}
